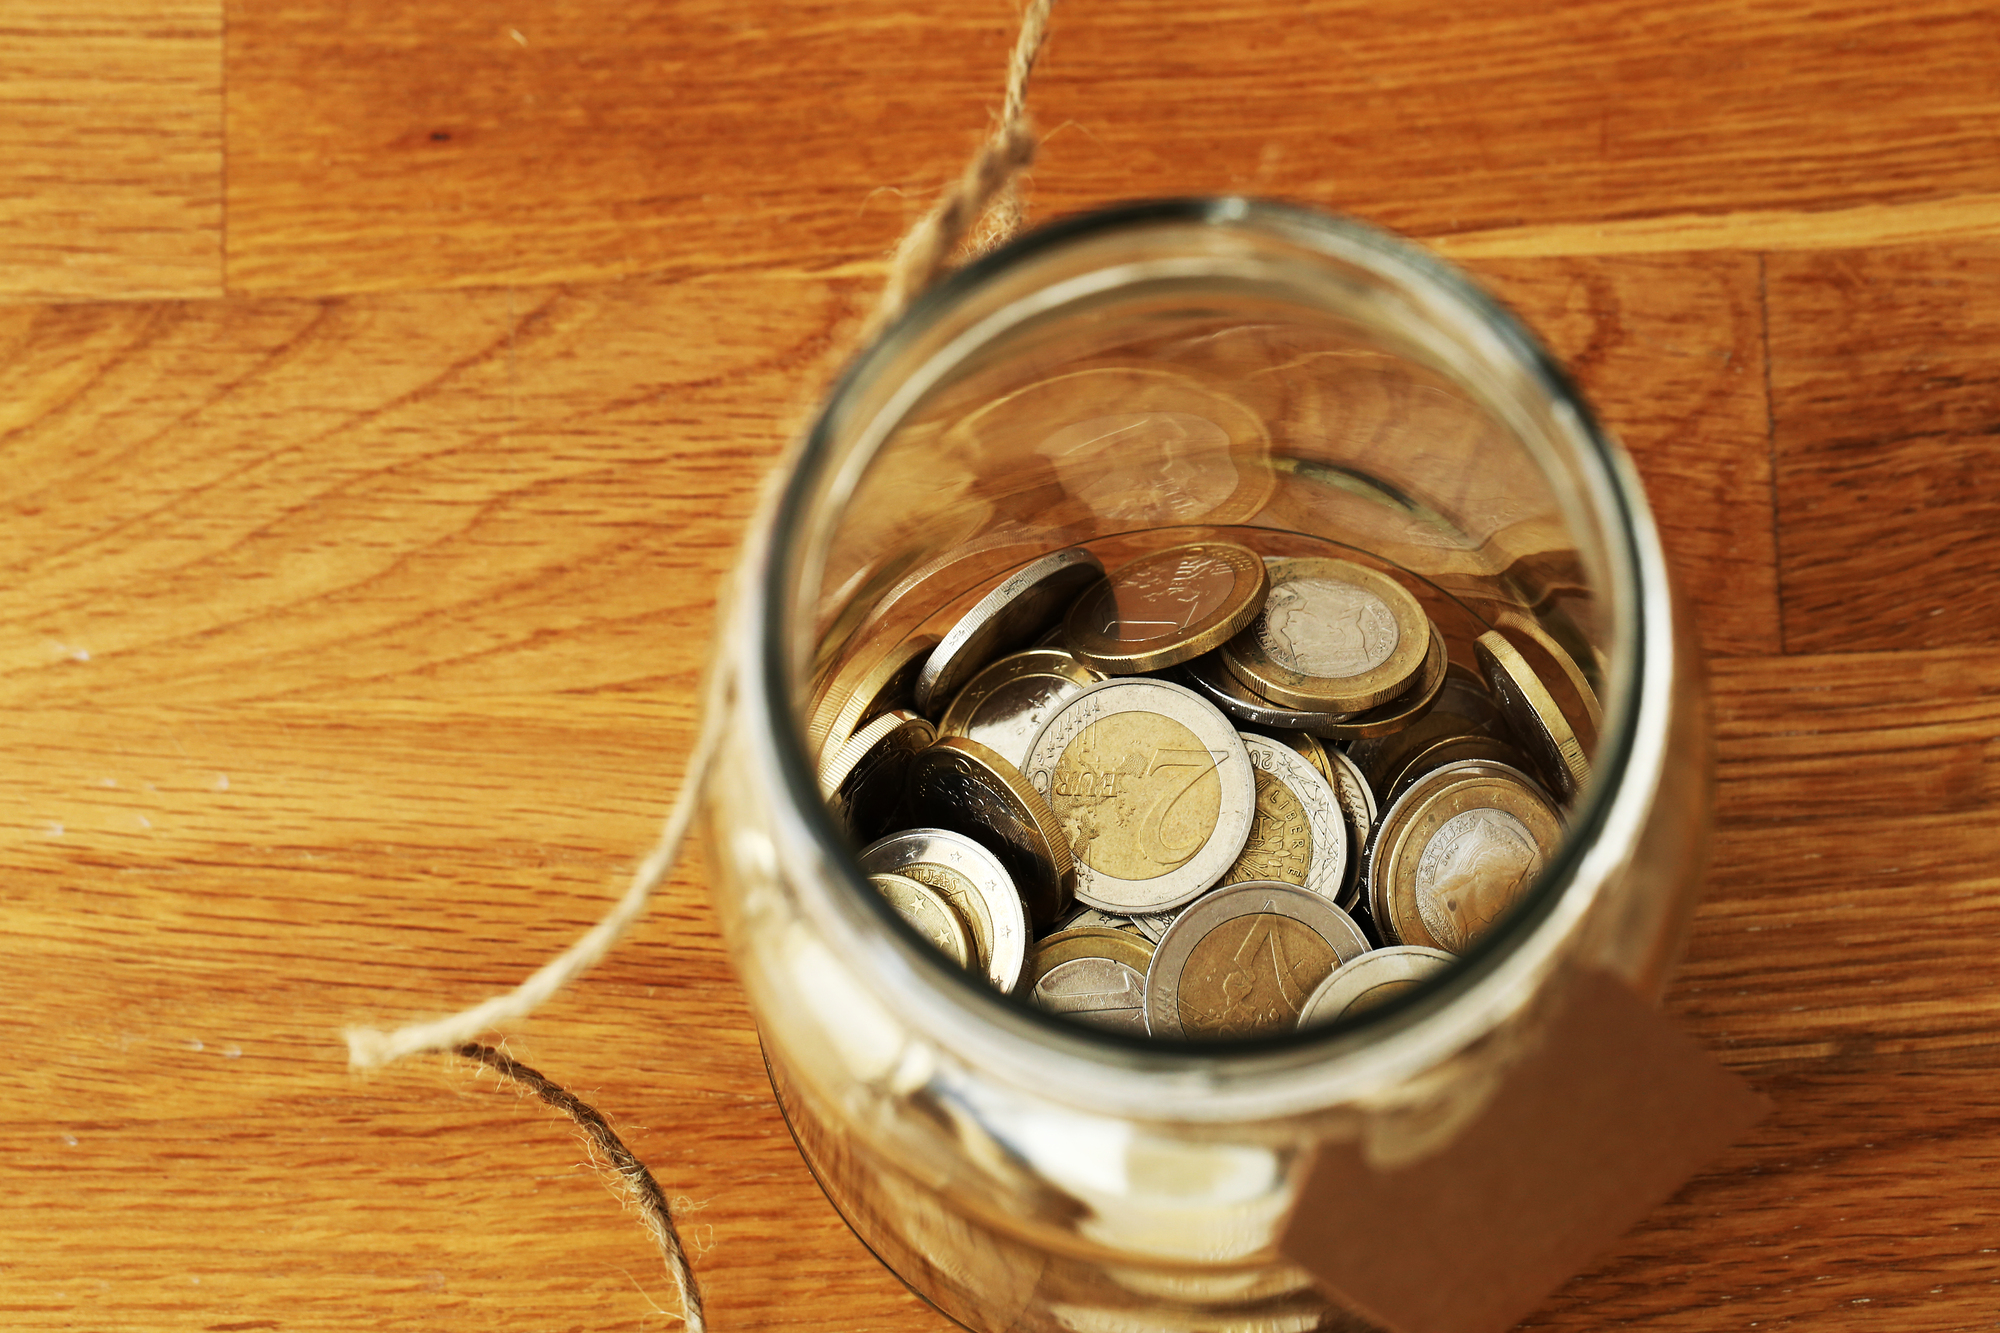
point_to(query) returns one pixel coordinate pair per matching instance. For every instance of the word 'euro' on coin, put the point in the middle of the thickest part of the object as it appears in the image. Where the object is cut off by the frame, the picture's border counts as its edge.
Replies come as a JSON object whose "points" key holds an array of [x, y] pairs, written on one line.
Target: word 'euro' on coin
{"points": [[1166, 608], [1152, 787], [1458, 850], [1244, 960]]}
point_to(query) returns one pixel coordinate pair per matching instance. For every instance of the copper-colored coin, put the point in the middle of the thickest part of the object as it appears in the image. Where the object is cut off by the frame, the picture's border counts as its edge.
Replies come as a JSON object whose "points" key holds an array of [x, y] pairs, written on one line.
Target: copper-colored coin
{"points": [[1333, 635], [1005, 705], [862, 782], [1153, 789], [1457, 851], [1244, 960], [863, 690], [1166, 608], [1532, 713], [1008, 618], [1093, 975], [964, 786], [928, 913]]}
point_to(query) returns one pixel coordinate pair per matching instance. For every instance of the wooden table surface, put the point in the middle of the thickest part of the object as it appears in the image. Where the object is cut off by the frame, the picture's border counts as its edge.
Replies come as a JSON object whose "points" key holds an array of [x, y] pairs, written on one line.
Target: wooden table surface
{"points": [[383, 384]]}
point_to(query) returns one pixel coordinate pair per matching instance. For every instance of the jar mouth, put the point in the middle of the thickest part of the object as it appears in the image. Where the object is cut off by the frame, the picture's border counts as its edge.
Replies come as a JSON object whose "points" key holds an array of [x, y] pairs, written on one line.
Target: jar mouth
{"points": [[1603, 824]]}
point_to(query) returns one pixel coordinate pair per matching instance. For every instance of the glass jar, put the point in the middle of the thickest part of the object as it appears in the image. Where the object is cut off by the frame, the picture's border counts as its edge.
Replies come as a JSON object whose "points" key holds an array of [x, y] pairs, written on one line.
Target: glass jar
{"points": [[1297, 383]]}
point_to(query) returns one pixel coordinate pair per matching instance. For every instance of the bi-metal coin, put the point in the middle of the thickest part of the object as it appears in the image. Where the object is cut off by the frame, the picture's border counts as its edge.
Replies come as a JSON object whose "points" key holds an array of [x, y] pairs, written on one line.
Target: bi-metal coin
{"points": [[1005, 705], [1089, 918], [1333, 636], [1463, 708], [1456, 851], [1357, 807], [1153, 790], [1244, 960], [961, 785], [1532, 712], [1166, 608], [1211, 678], [1008, 618], [1372, 979], [862, 782], [861, 691], [974, 882], [927, 913], [1298, 835], [1093, 975]]}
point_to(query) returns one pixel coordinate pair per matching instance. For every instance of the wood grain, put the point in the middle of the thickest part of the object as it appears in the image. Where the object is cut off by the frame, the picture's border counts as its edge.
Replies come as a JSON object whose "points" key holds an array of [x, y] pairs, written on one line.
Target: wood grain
{"points": [[1886, 402], [111, 129], [357, 570]]}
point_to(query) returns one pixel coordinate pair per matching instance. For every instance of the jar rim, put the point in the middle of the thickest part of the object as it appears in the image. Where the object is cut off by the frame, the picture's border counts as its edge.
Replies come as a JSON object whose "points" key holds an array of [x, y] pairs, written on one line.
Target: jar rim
{"points": [[1190, 1078]]}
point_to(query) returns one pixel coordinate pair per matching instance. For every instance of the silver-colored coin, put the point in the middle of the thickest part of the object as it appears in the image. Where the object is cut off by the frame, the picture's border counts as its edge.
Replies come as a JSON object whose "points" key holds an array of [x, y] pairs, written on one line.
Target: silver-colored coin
{"points": [[862, 782], [1004, 706], [1153, 788], [1089, 918], [1357, 807], [1102, 992], [1244, 960], [1298, 835], [974, 882], [1211, 678], [927, 913], [1153, 925], [1009, 617], [1374, 978]]}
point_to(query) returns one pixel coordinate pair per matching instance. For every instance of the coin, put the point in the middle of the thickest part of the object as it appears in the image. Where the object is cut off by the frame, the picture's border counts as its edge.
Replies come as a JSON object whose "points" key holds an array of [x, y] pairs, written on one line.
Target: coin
{"points": [[1332, 636], [1244, 960], [1153, 789], [1373, 979], [1298, 835], [927, 913], [974, 882], [1531, 711], [1462, 708], [961, 785], [1083, 918], [1309, 748], [1357, 807], [860, 691], [1003, 620], [1006, 704], [1405, 709], [1450, 750], [862, 782], [1456, 851], [1093, 975], [1153, 925], [1209, 677], [1166, 608]]}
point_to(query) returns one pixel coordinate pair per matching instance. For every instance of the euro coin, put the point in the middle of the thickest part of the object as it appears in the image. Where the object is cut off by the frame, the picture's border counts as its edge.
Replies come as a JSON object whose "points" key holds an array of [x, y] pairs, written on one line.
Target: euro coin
{"points": [[1373, 979], [861, 691], [1332, 636], [974, 882], [1166, 608], [1463, 707], [1244, 960], [1008, 618], [1297, 835], [1089, 918], [863, 781], [961, 785], [1531, 711], [927, 913], [1358, 808], [1457, 851], [1007, 703], [1211, 678], [1153, 789], [1093, 975]]}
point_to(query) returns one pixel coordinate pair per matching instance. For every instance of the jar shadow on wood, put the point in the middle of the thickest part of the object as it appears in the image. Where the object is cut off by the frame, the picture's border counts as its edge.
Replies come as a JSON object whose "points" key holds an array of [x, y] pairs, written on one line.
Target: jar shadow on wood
{"points": [[1296, 383]]}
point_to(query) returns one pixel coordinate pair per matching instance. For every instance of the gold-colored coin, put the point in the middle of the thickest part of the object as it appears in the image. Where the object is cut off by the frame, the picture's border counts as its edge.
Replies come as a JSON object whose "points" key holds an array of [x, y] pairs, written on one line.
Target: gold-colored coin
{"points": [[1406, 708], [1298, 835], [929, 914], [1005, 705], [1462, 708], [1332, 635], [1448, 750], [974, 882], [1358, 808], [1166, 608], [1244, 960], [1532, 713], [961, 785], [1093, 975], [862, 782], [1457, 851], [1307, 746], [860, 691], [1372, 980], [1153, 789]]}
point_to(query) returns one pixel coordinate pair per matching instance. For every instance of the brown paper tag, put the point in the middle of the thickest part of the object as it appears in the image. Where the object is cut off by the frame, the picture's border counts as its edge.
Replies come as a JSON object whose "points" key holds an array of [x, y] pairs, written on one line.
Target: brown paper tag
{"points": [[1609, 1116]]}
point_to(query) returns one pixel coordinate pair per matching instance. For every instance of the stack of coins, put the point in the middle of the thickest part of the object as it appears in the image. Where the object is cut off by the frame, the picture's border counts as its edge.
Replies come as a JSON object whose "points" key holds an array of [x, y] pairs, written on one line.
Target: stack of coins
{"points": [[1208, 795]]}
